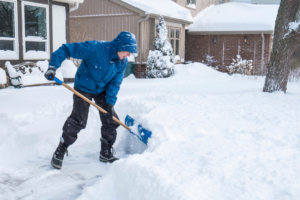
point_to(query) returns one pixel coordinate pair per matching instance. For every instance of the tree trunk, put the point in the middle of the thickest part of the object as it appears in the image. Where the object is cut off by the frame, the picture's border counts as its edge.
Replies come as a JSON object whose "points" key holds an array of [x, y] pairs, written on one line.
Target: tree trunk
{"points": [[285, 46]]}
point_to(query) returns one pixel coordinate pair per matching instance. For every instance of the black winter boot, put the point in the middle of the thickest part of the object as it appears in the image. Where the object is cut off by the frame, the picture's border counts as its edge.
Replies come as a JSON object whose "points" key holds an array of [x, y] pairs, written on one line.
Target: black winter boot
{"points": [[58, 155], [106, 154]]}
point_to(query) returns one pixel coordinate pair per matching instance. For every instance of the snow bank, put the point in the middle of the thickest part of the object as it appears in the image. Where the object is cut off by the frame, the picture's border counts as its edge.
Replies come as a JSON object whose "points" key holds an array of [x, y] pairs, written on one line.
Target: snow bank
{"points": [[232, 145], [214, 137], [2, 76], [236, 17], [197, 72], [68, 69], [131, 76], [162, 7]]}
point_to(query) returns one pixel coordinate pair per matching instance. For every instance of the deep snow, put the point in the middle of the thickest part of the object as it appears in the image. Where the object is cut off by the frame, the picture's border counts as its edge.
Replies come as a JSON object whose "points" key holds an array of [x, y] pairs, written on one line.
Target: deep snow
{"points": [[214, 137]]}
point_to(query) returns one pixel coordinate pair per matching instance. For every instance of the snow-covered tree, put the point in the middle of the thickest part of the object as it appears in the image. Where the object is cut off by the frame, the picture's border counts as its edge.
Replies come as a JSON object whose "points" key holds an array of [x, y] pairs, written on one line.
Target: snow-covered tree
{"points": [[161, 61]]}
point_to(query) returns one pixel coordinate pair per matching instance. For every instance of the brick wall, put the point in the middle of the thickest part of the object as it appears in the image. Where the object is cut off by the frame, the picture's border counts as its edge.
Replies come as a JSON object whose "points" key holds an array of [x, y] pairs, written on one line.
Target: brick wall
{"points": [[140, 70], [227, 47]]}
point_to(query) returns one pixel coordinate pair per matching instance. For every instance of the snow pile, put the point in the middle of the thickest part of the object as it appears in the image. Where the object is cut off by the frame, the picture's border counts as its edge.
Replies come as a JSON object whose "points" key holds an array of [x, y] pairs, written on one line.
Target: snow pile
{"points": [[2, 77], [30, 76], [68, 69], [235, 17], [231, 145], [131, 76], [196, 72], [240, 66], [161, 61], [166, 8], [214, 137]]}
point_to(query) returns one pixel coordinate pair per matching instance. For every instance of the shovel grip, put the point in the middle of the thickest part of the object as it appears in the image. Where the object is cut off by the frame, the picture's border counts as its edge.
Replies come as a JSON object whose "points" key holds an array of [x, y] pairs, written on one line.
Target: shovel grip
{"points": [[89, 101]]}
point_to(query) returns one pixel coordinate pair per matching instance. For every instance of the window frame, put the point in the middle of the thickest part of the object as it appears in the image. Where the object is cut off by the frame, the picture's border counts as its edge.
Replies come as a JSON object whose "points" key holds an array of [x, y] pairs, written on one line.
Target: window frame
{"points": [[37, 55], [15, 55], [191, 2], [175, 39]]}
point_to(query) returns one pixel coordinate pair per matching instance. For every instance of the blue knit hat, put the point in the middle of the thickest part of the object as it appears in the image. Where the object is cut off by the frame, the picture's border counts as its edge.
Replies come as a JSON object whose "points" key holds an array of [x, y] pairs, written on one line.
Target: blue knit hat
{"points": [[126, 41]]}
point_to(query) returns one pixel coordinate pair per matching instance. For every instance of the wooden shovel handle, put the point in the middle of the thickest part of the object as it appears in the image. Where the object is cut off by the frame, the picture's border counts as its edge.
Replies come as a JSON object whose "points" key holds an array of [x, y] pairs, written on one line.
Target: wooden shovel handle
{"points": [[98, 107]]}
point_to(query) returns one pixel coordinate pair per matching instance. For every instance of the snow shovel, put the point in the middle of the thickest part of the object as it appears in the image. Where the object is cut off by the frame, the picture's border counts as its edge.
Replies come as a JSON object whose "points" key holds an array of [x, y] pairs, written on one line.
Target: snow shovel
{"points": [[141, 133]]}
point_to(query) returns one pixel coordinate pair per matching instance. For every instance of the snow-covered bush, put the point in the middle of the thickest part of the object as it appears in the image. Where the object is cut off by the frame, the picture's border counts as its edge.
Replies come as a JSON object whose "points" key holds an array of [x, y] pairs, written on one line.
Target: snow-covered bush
{"points": [[209, 60], [161, 61], [240, 66]]}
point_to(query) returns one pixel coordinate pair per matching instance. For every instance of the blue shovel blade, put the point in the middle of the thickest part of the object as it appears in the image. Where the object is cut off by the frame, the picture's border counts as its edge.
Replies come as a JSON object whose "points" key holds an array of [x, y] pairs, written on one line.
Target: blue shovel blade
{"points": [[143, 134]]}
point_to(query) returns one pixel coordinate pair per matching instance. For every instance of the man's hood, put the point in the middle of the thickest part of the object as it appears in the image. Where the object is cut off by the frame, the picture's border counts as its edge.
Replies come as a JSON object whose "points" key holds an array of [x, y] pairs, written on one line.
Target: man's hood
{"points": [[125, 41]]}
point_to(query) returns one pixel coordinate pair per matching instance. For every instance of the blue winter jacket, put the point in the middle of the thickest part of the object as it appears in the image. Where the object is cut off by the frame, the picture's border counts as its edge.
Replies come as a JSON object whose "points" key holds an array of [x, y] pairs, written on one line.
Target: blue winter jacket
{"points": [[101, 69]]}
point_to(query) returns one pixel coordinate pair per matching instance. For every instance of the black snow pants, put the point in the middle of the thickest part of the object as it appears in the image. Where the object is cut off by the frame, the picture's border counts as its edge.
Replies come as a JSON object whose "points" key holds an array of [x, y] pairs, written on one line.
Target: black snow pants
{"points": [[78, 118]]}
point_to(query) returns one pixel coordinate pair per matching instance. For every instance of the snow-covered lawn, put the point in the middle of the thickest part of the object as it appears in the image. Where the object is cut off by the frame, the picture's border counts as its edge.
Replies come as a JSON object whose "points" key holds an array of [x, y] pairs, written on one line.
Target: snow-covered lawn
{"points": [[214, 137]]}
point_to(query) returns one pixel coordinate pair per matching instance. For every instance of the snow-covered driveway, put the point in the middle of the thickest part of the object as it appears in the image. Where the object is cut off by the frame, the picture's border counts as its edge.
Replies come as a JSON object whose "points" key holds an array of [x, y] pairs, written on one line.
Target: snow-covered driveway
{"points": [[214, 137]]}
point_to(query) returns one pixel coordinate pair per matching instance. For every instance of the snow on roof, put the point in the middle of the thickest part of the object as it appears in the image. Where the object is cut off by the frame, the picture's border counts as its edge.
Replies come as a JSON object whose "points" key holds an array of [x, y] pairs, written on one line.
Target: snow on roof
{"points": [[162, 7], [235, 17]]}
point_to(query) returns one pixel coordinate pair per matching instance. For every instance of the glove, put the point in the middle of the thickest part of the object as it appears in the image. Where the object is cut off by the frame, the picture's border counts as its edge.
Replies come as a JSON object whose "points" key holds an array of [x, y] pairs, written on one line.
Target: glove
{"points": [[50, 74], [110, 111]]}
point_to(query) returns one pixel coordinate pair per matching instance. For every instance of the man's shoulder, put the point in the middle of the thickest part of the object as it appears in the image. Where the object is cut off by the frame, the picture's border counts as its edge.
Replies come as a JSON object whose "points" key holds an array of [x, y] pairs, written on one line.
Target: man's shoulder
{"points": [[98, 43]]}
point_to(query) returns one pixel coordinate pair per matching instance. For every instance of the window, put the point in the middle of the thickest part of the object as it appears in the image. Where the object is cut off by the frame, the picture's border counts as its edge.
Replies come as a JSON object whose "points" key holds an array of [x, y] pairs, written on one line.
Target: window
{"points": [[174, 39], [8, 30], [190, 2], [35, 31]]}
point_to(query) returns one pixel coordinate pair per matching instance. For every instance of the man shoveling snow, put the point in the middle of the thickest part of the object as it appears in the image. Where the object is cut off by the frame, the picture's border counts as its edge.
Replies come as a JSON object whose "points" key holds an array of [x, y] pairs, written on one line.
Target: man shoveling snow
{"points": [[98, 77]]}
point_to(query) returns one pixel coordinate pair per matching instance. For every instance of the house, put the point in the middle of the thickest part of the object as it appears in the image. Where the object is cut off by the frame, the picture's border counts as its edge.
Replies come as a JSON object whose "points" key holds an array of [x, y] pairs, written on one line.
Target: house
{"points": [[105, 19], [220, 33], [31, 30]]}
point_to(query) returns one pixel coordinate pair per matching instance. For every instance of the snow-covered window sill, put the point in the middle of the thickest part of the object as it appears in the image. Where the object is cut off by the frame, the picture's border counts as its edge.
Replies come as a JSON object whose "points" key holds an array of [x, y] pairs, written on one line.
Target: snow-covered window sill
{"points": [[191, 6], [9, 55], [36, 55]]}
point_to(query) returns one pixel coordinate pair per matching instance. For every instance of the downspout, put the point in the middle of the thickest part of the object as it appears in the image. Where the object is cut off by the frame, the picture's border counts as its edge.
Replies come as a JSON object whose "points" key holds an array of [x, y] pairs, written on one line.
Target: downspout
{"points": [[262, 53], [138, 33], [75, 7]]}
